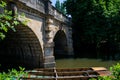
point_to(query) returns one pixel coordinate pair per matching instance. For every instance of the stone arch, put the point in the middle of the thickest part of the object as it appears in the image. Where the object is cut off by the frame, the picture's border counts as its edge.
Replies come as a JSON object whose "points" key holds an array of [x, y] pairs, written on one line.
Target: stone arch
{"points": [[61, 47], [21, 48]]}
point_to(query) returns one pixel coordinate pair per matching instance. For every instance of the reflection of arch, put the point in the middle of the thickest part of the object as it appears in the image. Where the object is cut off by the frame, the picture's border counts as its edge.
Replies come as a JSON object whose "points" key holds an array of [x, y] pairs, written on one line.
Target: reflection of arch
{"points": [[21, 48], [60, 48]]}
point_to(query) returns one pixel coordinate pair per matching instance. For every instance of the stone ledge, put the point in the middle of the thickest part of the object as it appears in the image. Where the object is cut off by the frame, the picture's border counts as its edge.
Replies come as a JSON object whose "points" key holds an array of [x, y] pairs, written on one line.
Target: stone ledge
{"points": [[49, 44], [49, 59], [50, 65]]}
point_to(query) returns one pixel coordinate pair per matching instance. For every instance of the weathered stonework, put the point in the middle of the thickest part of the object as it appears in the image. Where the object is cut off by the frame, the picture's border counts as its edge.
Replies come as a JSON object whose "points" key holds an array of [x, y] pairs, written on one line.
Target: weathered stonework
{"points": [[37, 39]]}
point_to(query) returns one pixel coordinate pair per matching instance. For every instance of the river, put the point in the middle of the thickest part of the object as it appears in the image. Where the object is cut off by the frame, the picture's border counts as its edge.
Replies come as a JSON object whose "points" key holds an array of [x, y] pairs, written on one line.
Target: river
{"points": [[83, 62]]}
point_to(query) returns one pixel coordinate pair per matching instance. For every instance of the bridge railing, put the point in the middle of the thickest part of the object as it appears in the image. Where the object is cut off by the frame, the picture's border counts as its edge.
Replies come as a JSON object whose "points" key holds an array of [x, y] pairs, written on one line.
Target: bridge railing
{"points": [[59, 15], [45, 7], [35, 4]]}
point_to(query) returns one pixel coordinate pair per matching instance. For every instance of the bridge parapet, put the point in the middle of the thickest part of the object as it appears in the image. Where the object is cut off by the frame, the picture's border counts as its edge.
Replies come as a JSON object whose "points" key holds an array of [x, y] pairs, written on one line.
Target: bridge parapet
{"points": [[45, 7], [35, 4], [59, 16]]}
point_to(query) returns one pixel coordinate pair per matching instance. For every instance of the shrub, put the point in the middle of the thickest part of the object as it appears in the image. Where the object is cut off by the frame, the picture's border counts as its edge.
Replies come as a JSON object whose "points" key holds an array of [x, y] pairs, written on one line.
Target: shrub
{"points": [[115, 69], [13, 74]]}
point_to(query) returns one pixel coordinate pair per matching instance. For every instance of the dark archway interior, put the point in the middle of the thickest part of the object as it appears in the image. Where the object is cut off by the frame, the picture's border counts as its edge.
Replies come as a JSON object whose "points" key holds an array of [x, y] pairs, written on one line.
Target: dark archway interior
{"points": [[60, 48], [20, 48]]}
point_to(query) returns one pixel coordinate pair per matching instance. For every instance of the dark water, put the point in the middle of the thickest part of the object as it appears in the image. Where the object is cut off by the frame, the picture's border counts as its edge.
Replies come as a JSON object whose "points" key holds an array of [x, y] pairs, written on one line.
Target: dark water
{"points": [[84, 62]]}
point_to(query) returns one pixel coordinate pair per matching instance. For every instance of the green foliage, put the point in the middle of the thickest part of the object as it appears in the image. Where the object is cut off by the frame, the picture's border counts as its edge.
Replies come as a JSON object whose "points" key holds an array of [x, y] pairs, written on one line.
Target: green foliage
{"points": [[7, 20], [94, 20], [57, 4], [60, 7], [13, 74], [23, 19], [115, 69], [3, 4], [94, 16]]}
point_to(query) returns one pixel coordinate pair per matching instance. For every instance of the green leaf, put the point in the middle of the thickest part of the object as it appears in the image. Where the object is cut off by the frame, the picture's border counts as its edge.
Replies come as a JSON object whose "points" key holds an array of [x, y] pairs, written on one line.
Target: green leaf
{"points": [[8, 17], [5, 28], [1, 25], [2, 36], [1, 15], [2, 4], [7, 23], [13, 28], [15, 22], [9, 13]]}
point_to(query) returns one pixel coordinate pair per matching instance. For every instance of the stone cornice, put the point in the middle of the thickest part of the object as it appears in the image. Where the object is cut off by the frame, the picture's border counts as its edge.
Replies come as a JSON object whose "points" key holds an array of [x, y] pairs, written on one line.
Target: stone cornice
{"points": [[41, 8]]}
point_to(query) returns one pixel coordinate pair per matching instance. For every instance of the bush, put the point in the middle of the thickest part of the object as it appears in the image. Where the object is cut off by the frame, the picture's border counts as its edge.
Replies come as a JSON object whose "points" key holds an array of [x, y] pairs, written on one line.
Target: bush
{"points": [[115, 69], [13, 74], [8, 21]]}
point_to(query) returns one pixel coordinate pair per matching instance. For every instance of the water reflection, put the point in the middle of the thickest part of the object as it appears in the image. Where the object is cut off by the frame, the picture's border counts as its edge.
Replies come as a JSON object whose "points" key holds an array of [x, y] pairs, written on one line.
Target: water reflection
{"points": [[83, 62]]}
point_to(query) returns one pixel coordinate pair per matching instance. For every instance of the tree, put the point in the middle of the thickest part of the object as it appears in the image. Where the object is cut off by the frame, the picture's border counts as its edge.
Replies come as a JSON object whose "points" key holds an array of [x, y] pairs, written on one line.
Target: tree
{"points": [[62, 9], [57, 5], [60, 6], [8, 19], [94, 21]]}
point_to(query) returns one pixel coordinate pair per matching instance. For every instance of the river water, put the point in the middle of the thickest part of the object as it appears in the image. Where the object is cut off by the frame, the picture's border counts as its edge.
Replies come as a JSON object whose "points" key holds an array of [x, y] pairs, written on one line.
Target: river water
{"points": [[83, 62]]}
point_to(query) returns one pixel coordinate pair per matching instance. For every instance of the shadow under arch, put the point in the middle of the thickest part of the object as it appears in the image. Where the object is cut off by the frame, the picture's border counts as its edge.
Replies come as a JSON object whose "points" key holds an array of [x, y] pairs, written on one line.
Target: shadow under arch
{"points": [[60, 48], [20, 48]]}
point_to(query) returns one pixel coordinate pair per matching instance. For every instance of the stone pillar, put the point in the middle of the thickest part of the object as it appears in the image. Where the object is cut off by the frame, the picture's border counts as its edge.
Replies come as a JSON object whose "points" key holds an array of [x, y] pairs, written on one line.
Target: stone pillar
{"points": [[70, 42], [49, 60], [48, 7]]}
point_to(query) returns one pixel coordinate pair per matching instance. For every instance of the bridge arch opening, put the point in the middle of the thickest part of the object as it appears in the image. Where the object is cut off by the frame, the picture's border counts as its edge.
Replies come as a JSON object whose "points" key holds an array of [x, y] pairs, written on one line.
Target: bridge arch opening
{"points": [[60, 48], [20, 48]]}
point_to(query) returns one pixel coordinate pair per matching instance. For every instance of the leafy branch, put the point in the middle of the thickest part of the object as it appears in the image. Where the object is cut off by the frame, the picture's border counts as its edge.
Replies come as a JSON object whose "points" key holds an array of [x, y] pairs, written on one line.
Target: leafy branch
{"points": [[7, 20]]}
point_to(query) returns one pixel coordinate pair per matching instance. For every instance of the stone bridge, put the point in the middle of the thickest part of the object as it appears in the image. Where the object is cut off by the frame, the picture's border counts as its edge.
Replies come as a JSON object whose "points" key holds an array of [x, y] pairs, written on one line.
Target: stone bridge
{"points": [[46, 36]]}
